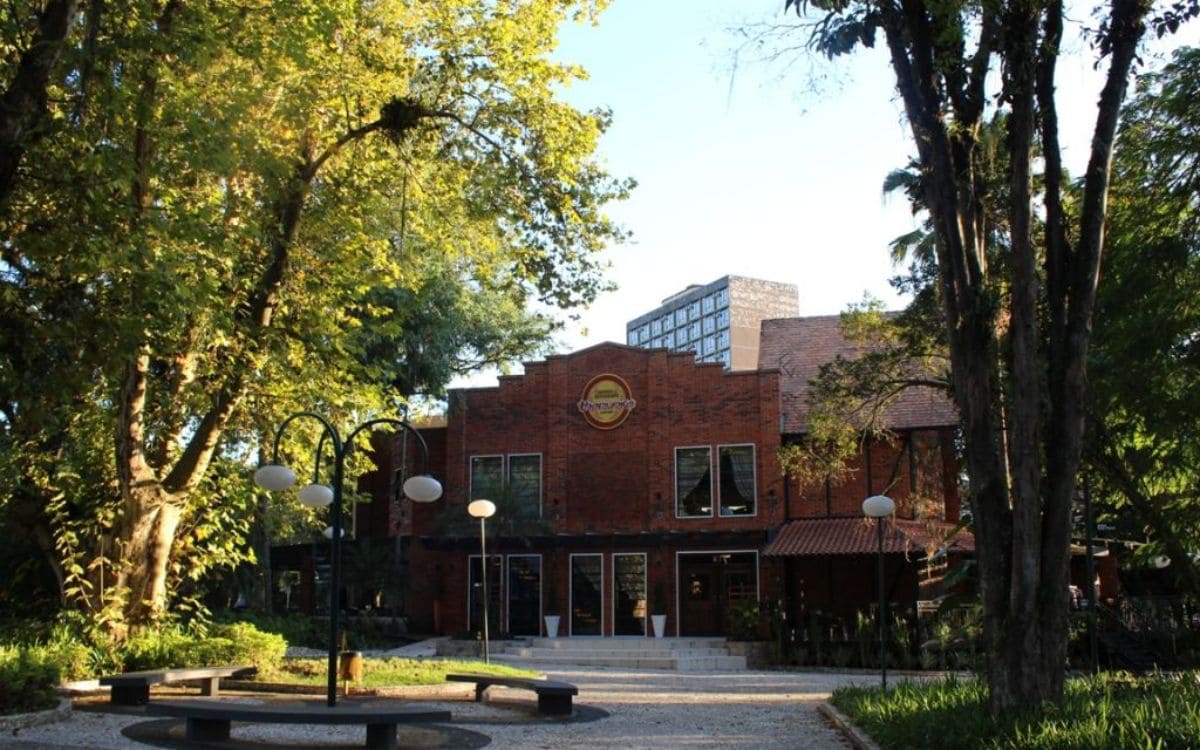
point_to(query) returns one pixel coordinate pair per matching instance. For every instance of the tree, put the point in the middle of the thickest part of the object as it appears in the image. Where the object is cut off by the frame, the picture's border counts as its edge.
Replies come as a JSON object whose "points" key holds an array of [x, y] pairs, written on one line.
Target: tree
{"points": [[237, 200], [1143, 445], [1018, 332]]}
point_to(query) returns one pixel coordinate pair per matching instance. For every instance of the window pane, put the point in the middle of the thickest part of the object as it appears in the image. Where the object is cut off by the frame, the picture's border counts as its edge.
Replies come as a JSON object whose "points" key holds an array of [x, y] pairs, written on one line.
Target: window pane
{"points": [[693, 482], [737, 480], [525, 485], [487, 477], [629, 594], [632, 338]]}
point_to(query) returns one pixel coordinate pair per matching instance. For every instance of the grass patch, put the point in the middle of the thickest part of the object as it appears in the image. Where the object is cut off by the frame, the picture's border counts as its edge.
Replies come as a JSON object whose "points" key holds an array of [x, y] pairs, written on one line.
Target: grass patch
{"points": [[386, 672], [1113, 710]]}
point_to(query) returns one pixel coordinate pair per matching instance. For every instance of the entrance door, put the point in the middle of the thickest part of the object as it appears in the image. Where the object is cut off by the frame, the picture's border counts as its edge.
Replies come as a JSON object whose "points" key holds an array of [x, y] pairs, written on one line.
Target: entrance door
{"points": [[475, 606], [629, 594], [587, 594], [524, 594], [710, 586]]}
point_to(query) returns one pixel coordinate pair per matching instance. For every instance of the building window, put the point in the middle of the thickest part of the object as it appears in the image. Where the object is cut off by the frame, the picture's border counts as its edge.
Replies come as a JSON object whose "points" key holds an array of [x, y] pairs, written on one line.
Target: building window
{"points": [[723, 340], [525, 484], [693, 482], [710, 324], [521, 485], [725, 359], [723, 319], [632, 338], [710, 344], [710, 303], [668, 322], [736, 480], [487, 477], [644, 333], [681, 338], [693, 311], [656, 327], [681, 316], [723, 297], [694, 332]]}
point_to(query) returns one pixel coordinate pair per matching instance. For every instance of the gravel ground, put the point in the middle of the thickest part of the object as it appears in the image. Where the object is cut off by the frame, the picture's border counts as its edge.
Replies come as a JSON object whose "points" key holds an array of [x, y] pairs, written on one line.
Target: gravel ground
{"points": [[622, 709]]}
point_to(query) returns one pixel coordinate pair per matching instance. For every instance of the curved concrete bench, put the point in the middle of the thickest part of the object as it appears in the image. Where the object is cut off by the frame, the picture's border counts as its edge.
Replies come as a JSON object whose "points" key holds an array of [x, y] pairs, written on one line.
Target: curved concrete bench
{"points": [[209, 720], [133, 688], [554, 697]]}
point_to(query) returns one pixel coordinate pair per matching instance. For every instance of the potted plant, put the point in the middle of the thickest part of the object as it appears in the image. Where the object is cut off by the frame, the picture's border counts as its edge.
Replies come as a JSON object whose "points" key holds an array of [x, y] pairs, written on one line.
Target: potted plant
{"points": [[658, 608], [551, 615]]}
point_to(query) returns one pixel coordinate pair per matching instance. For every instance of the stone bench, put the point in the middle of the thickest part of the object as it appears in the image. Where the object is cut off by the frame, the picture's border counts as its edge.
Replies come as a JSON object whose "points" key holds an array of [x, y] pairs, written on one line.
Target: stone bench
{"points": [[209, 720], [133, 688], [553, 697]]}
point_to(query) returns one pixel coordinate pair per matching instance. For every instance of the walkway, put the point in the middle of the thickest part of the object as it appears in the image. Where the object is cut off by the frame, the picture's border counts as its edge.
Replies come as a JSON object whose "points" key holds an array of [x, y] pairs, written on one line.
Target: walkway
{"points": [[648, 710]]}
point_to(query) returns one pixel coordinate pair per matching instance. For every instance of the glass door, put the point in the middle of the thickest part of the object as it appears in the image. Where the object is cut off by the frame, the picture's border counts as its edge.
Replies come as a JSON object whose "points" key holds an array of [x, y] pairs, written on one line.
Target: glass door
{"points": [[629, 594], [587, 594], [524, 594]]}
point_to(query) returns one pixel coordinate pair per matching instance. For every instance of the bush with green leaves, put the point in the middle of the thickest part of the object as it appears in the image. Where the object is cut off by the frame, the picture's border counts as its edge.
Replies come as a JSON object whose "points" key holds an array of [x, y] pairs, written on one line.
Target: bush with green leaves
{"points": [[220, 644], [28, 680]]}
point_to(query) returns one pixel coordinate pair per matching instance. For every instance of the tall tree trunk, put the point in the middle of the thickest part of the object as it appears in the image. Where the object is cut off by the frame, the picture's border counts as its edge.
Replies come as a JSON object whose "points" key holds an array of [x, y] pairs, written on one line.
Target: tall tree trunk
{"points": [[23, 115]]}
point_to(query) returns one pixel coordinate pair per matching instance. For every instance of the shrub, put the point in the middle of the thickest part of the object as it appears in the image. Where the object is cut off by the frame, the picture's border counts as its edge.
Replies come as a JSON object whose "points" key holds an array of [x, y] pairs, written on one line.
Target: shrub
{"points": [[227, 643], [28, 681]]}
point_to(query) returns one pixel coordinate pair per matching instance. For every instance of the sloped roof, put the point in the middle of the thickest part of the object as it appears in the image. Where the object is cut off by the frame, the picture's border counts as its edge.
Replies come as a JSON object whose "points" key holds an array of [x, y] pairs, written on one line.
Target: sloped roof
{"points": [[797, 347], [857, 536]]}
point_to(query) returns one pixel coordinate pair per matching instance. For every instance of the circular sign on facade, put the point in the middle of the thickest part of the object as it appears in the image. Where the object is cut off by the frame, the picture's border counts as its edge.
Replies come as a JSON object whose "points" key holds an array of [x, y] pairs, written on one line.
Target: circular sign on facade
{"points": [[606, 401]]}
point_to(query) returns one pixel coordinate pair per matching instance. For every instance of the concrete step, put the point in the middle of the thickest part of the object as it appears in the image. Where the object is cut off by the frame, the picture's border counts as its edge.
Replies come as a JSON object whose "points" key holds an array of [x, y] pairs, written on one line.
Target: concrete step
{"points": [[676, 654]]}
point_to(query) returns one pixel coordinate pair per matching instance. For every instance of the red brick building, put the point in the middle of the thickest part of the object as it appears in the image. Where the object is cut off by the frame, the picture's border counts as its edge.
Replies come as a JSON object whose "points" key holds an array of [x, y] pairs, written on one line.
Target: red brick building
{"points": [[633, 482]]}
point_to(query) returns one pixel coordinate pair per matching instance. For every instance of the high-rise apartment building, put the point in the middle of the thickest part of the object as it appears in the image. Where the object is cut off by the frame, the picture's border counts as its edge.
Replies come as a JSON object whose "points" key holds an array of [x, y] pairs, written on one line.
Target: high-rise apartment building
{"points": [[719, 321]]}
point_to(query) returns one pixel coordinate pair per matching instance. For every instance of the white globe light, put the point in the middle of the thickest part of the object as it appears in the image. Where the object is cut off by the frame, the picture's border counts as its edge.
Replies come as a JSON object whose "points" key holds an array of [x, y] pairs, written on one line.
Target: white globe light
{"points": [[274, 477], [1160, 561], [481, 509], [316, 495], [422, 488], [878, 506], [329, 532]]}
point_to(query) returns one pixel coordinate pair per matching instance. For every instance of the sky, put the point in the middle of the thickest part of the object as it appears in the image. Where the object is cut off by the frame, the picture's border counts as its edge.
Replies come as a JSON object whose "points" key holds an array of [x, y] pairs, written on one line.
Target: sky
{"points": [[748, 166]]}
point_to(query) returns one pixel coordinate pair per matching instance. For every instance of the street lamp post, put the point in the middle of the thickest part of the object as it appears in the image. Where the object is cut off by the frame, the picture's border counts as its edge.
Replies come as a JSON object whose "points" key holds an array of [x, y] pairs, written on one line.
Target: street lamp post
{"points": [[276, 477], [483, 510], [880, 507]]}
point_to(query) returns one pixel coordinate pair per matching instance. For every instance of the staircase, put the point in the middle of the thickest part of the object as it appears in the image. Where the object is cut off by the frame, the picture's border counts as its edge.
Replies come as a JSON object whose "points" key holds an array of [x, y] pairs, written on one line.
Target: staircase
{"points": [[675, 654]]}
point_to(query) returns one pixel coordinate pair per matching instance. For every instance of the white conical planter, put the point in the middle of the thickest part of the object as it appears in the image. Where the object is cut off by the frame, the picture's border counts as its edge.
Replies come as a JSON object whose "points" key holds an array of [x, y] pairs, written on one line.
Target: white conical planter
{"points": [[660, 625], [551, 625]]}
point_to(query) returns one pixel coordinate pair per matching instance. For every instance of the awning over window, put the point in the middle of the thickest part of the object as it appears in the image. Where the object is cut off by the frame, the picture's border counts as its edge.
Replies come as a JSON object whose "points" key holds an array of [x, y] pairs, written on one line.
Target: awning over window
{"points": [[856, 536]]}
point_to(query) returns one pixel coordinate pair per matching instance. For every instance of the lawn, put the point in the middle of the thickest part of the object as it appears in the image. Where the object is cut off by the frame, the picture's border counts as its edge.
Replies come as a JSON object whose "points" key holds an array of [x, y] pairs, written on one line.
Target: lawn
{"points": [[386, 672], [1114, 711]]}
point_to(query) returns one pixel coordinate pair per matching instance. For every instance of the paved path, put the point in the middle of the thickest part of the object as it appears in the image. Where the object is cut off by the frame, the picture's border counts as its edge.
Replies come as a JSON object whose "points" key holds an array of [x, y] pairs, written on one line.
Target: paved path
{"points": [[647, 710]]}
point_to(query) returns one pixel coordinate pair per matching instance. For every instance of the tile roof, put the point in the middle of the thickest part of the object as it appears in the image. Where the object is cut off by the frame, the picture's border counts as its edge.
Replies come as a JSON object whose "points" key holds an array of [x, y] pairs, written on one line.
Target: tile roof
{"points": [[797, 347], [856, 536]]}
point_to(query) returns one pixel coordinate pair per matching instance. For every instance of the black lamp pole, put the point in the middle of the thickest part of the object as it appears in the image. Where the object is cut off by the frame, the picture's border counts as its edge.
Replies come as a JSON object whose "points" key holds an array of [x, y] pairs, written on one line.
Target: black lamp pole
{"points": [[883, 619], [880, 507], [340, 449]]}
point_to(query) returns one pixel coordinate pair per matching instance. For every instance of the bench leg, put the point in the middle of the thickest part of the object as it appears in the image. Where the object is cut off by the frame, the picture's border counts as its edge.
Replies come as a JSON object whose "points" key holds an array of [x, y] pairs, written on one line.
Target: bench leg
{"points": [[210, 686], [381, 736], [129, 695], [559, 705], [480, 689], [207, 730]]}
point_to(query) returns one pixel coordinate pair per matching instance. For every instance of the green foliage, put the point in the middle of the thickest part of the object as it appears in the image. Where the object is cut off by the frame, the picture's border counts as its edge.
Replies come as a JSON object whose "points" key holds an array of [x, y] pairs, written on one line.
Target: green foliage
{"points": [[28, 681], [220, 644], [242, 211], [1144, 438], [745, 621], [387, 672], [1112, 710]]}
